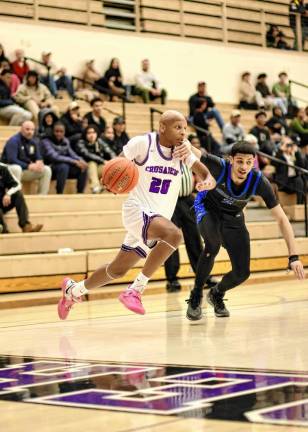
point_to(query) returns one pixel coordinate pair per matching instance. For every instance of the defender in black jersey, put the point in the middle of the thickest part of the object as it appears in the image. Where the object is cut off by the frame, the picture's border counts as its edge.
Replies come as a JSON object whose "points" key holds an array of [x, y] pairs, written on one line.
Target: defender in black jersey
{"points": [[221, 221]]}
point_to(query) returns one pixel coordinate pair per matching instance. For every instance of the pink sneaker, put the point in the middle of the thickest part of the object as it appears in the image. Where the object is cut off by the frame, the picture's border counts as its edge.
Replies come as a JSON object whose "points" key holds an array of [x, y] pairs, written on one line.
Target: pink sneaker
{"points": [[68, 300], [132, 300]]}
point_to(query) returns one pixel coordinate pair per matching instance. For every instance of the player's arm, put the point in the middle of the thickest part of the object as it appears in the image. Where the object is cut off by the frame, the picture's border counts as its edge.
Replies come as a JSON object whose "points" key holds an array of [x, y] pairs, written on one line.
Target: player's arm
{"points": [[288, 234]]}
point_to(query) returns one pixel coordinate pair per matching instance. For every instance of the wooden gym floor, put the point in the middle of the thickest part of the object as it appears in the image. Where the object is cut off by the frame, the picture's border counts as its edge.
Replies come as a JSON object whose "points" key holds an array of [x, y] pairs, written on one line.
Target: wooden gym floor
{"points": [[104, 348]]}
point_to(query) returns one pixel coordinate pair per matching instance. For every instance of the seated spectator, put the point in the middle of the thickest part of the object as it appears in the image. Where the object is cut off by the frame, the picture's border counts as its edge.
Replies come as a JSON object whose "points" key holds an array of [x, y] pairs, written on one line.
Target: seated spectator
{"points": [[9, 110], [233, 131], [95, 117], [281, 42], [108, 137], [268, 99], [271, 36], [277, 124], [287, 178], [21, 153], [34, 96], [73, 123], [2, 54], [148, 86], [261, 132], [15, 81], [210, 110], [299, 125], [85, 90], [282, 90], [113, 78], [12, 197], [94, 151], [53, 77], [47, 120], [19, 66], [206, 139], [120, 136], [64, 162], [195, 142], [249, 97]]}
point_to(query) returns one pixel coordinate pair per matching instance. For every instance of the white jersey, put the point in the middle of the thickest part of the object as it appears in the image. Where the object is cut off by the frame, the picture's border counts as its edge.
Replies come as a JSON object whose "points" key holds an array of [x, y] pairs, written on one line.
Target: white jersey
{"points": [[159, 182]]}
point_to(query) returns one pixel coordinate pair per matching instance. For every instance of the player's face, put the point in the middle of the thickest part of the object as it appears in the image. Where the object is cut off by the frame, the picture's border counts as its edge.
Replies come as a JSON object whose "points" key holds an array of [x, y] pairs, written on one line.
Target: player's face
{"points": [[242, 164], [175, 132]]}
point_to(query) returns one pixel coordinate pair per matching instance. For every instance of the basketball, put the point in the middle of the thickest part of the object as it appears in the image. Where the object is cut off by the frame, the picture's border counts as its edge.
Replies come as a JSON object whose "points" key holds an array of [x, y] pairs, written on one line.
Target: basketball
{"points": [[120, 175]]}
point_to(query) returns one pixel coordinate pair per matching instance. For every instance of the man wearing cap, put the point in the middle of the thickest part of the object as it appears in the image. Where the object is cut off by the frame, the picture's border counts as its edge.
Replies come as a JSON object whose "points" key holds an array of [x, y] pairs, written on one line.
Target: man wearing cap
{"points": [[233, 131], [73, 123], [210, 111], [120, 136]]}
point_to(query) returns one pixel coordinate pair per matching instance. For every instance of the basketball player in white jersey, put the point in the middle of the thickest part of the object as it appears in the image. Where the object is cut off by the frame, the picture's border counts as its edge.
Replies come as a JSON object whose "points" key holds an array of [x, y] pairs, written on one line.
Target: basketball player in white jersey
{"points": [[146, 212]]}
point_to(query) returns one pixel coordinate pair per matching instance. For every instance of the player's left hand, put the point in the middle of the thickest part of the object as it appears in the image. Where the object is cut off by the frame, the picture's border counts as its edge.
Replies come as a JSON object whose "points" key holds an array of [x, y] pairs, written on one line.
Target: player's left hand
{"points": [[208, 184], [298, 269], [182, 151]]}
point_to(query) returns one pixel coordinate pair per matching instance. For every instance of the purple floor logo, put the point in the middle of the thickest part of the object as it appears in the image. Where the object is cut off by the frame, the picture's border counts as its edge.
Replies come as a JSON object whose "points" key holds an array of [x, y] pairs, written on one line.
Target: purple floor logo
{"points": [[221, 394]]}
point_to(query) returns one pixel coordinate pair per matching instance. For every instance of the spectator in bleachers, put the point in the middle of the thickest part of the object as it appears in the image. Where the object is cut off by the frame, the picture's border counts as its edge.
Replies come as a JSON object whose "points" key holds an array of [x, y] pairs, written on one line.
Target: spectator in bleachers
{"points": [[2, 54], [277, 124], [206, 138], [64, 162], [95, 117], [120, 136], [22, 154], [281, 42], [298, 7], [85, 90], [113, 78], [9, 110], [281, 89], [210, 110], [94, 151], [195, 142], [299, 125], [268, 99], [287, 178], [261, 132], [250, 98], [46, 122], [271, 36], [108, 137], [19, 66], [15, 81], [233, 131], [53, 77], [148, 86], [73, 123], [34, 96], [12, 197]]}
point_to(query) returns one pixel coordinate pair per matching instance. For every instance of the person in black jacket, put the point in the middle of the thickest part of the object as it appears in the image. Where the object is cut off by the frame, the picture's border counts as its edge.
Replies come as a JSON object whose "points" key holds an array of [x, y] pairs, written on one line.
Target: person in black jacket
{"points": [[94, 151], [73, 123], [207, 140], [210, 111], [12, 197], [261, 132], [113, 78], [288, 179], [120, 136], [95, 117], [277, 124], [8, 108]]}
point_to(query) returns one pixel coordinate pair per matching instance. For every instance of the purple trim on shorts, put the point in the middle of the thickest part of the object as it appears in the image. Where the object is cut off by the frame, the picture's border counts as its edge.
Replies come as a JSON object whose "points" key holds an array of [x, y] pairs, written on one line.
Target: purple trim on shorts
{"points": [[160, 150], [139, 251], [146, 223], [147, 156]]}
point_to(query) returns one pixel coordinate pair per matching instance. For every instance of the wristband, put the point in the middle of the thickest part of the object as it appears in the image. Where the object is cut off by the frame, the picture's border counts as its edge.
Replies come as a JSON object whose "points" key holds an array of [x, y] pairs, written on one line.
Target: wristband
{"points": [[292, 258], [191, 159]]}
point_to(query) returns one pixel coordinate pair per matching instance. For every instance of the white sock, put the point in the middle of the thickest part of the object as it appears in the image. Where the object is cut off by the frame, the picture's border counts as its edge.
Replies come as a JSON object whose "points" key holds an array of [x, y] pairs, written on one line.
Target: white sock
{"points": [[79, 289], [139, 283]]}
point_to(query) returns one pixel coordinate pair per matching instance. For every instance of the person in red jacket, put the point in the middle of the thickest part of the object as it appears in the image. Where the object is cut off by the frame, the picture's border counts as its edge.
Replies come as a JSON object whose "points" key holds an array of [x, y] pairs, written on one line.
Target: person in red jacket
{"points": [[20, 66]]}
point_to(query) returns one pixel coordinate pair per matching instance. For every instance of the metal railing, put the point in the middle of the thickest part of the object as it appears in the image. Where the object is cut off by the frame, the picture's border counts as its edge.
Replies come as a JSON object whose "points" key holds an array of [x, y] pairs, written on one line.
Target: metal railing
{"points": [[299, 84], [301, 171]]}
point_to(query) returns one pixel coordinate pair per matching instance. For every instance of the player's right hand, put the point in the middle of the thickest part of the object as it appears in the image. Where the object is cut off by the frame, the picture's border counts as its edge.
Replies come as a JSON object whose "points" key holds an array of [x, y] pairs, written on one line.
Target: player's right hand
{"points": [[298, 269], [208, 184]]}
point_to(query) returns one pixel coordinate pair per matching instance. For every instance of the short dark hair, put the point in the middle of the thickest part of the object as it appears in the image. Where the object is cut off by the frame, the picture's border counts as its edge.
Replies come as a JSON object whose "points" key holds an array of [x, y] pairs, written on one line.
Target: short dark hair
{"points": [[5, 72], [243, 147], [96, 99], [260, 113], [59, 123], [282, 74], [244, 74], [262, 75]]}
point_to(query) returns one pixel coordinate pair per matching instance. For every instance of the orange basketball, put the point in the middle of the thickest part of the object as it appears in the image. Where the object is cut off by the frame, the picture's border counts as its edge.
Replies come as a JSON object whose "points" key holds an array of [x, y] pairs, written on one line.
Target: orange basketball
{"points": [[120, 175]]}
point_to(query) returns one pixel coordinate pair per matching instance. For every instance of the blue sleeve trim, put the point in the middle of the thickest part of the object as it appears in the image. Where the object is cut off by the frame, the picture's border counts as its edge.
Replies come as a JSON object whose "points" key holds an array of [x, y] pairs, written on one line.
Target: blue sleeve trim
{"points": [[257, 183]]}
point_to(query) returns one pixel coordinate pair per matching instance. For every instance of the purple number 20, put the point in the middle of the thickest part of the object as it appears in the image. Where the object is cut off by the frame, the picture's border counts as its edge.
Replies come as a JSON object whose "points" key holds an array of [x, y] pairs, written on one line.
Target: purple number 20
{"points": [[159, 186]]}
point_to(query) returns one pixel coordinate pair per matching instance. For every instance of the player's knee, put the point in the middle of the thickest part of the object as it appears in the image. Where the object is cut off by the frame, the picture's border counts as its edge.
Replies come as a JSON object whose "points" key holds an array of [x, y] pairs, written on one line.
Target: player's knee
{"points": [[116, 272], [242, 275], [211, 248], [173, 236]]}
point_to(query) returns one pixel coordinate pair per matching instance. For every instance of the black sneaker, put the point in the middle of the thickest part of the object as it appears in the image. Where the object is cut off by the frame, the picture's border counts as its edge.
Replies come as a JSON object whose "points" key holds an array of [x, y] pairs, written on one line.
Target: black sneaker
{"points": [[194, 309], [216, 299], [173, 286]]}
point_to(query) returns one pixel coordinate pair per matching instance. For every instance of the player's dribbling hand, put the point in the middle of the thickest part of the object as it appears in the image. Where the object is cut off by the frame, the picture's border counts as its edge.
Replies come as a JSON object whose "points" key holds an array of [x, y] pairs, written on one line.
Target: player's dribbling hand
{"points": [[298, 269], [208, 184], [182, 151]]}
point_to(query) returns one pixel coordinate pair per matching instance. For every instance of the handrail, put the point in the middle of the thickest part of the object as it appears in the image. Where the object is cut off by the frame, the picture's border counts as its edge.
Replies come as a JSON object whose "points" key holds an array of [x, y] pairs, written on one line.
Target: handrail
{"points": [[104, 91], [302, 171], [298, 83]]}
